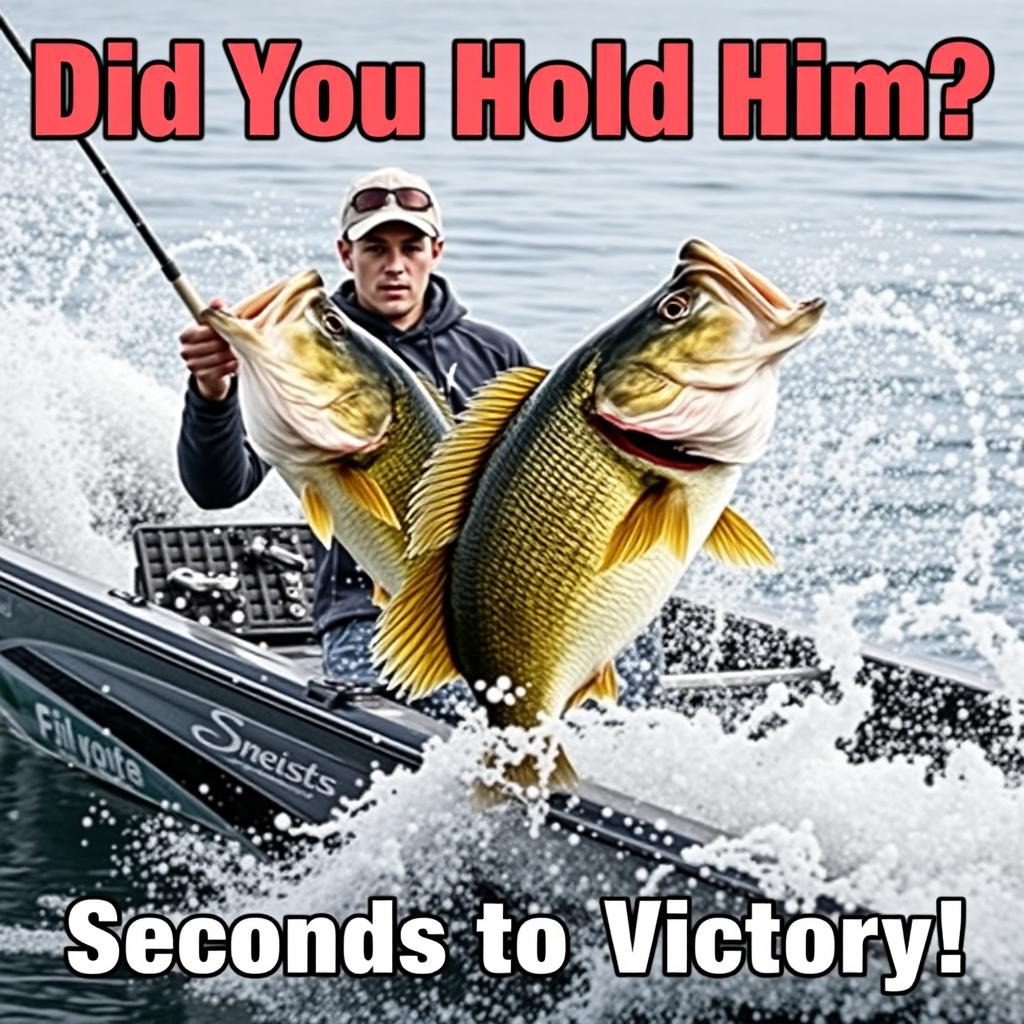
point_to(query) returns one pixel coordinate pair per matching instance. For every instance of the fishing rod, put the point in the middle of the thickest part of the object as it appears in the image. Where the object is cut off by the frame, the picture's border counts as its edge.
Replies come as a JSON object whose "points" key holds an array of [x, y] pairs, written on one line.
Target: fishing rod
{"points": [[181, 284]]}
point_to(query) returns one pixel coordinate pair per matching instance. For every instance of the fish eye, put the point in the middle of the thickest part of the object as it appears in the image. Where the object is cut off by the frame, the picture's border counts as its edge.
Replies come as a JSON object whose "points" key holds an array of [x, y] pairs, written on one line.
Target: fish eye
{"points": [[675, 307], [333, 323]]}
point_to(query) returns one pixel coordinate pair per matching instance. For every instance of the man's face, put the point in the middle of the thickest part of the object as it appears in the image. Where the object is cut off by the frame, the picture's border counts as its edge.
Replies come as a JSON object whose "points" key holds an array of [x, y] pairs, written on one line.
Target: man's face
{"points": [[391, 266]]}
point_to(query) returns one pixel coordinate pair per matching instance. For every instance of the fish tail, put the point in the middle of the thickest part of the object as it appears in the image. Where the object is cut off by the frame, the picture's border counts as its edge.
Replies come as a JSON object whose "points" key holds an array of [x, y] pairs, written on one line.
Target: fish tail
{"points": [[518, 779]]}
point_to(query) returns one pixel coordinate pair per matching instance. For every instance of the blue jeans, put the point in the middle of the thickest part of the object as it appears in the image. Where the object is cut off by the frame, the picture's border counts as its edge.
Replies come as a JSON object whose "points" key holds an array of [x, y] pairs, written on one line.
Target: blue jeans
{"points": [[346, 653]]}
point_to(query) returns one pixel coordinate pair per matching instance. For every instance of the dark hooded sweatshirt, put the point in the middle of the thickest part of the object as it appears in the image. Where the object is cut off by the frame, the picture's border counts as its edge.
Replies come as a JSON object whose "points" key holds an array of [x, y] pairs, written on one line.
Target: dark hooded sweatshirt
{"points": [[219, 468]]}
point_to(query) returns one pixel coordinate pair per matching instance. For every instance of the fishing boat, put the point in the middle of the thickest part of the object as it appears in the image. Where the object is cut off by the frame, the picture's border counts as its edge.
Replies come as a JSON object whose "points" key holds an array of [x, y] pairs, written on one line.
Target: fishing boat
{"points": [[199, 691]]}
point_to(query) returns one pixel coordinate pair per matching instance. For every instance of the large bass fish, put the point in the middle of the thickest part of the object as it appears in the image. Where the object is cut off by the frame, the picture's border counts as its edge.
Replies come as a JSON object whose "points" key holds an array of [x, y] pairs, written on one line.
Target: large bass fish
{"points": [[557, 517], [344, 421]]}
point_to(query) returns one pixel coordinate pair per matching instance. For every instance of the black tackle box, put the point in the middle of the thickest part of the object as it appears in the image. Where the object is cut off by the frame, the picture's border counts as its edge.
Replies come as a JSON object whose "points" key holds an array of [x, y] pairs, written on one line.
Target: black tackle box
{"points": [[253, 579]]}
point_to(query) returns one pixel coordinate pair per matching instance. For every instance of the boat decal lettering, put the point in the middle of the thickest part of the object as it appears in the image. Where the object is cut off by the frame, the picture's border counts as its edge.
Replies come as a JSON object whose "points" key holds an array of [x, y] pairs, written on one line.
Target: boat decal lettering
{"points": [[225, 736], [102, 756]]}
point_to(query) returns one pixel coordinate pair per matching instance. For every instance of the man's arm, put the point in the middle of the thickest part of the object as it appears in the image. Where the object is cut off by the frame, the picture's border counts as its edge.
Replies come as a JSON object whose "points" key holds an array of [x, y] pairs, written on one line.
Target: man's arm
{"points": [[216, 464]]}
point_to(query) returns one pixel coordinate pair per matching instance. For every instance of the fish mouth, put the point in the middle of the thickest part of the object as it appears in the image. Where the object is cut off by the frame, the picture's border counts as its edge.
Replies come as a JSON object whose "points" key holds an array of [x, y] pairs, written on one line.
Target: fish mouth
{"points": [[754, 289], [647, 447], [742, 287], [282, 302]]}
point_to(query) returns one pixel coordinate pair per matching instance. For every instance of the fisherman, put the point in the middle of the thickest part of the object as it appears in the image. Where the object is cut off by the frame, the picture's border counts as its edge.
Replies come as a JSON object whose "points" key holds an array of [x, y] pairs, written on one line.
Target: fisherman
{"points": [[391, 240]]}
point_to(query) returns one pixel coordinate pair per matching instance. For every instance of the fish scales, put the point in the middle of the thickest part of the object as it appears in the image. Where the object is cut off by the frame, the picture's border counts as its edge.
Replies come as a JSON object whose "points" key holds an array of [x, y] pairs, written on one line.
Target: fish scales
{"points": [[527, 614], [559, 514], [345, 422], [378, 548]]}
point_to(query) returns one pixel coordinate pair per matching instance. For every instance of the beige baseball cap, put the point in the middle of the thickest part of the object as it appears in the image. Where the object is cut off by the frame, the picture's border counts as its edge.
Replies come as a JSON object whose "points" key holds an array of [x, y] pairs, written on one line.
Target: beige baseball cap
{"points": [[387, 204]]}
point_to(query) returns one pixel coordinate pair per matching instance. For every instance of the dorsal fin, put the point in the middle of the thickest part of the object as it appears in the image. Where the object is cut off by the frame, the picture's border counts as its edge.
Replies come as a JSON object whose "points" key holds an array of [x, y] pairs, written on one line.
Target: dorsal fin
{"points": [[735, 541], [659, 516], [440, 499], [366, 492], [411, 641], [435, 393]]}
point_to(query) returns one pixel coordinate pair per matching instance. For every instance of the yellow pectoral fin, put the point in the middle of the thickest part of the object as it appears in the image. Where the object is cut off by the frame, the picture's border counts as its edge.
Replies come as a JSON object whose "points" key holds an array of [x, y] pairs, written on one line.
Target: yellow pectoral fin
{"points": [[603, 686], [411, 639], [735, 541], [441, 498], [659, 516], [380, 596], [318, 515], [366, 493]]}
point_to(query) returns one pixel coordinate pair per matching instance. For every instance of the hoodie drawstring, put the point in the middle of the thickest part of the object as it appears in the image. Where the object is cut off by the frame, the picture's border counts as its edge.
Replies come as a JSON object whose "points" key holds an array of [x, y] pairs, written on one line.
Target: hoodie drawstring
{"points": [[439, 377]]}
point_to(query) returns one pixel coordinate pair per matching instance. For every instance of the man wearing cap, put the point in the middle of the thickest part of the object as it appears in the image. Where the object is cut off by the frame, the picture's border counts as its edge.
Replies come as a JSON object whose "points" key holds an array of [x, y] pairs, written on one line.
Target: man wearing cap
{"points": [[390, 240]]}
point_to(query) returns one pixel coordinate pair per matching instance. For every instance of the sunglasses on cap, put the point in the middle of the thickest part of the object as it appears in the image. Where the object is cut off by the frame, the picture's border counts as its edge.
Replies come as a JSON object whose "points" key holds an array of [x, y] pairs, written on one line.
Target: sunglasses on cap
{"points": [[377, 198]]}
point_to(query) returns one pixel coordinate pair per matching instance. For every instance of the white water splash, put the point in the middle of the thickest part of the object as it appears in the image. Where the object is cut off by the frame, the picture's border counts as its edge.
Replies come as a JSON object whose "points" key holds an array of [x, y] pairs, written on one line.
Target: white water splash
{"points": [[896, 458], [804, 821], [92, 388]]}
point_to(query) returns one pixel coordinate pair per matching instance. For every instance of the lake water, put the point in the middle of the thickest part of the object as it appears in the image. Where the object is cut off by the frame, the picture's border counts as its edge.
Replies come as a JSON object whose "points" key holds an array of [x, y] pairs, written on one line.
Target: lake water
{"points": [[891, 492]]}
